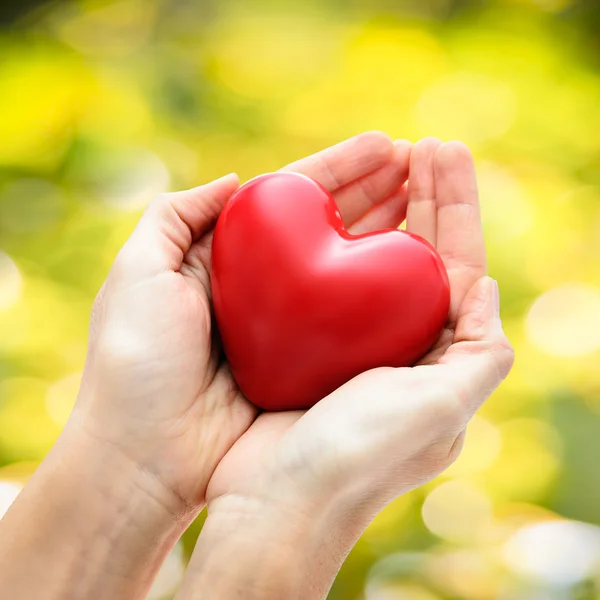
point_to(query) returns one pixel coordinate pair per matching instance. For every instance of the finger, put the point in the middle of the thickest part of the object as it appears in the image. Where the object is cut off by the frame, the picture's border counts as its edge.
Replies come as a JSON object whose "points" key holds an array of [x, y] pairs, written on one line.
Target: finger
{"points": [[388, 214], [357, 198], [480, 357], [200, 207], [459, 231], [169, 226], [196, 263], [347, 161], [421, 214]]}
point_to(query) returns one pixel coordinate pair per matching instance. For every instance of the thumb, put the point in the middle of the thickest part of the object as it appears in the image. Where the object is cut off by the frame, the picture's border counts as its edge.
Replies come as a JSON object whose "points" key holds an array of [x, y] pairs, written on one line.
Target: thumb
{"points": [[169, 226], [480, 356]]}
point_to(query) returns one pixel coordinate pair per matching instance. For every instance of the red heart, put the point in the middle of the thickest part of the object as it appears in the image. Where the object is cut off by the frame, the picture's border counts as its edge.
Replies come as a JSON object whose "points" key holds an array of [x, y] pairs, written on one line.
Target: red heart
{"points": [[303, 306]]}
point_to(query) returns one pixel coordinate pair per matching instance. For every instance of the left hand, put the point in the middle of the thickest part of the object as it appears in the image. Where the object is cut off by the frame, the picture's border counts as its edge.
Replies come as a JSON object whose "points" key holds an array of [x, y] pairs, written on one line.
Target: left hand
{"points": [[153, 388]]}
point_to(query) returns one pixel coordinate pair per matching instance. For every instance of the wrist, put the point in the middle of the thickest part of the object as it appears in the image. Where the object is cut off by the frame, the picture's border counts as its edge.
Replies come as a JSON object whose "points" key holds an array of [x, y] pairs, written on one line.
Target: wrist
{"points": [[173, 457], [89, 524], [281, 550], [103, 464]]}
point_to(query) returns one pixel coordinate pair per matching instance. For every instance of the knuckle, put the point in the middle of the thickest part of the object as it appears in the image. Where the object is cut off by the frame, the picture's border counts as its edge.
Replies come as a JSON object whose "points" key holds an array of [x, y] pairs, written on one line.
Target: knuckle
{"points": [[477, 322], [158, 207], [160, 201]]}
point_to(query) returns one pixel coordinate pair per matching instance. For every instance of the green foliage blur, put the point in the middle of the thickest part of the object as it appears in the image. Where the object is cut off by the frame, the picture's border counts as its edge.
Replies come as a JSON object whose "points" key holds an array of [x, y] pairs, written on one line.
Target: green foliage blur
{"points": [[104, 104]]}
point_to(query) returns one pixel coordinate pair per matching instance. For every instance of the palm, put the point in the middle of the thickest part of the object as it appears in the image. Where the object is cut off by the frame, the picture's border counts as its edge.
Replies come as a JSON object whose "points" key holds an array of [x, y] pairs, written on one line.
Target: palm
{"points": [[151, 353], [442, 204]]}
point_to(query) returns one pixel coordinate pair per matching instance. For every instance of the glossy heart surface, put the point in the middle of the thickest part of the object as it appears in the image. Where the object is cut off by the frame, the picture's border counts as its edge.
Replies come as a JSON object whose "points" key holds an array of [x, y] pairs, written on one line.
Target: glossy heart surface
{"points": [[302, 306]]}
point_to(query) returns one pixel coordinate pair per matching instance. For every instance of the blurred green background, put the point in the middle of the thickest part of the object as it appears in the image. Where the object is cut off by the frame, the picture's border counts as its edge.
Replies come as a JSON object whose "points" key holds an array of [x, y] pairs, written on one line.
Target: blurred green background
{"points": [[104, 104]]}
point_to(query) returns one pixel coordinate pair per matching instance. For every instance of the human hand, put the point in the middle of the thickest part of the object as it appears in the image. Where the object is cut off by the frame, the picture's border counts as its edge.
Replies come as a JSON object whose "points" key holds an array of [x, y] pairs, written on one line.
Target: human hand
{"points": [[152, 420], [308, 482], [395, 425], [153, 387]]}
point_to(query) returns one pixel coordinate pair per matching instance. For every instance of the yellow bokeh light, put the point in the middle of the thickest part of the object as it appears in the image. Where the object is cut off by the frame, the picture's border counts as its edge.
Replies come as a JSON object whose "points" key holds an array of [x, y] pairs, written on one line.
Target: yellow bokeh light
{"points": [[181, 160], [351, 98], [565, 321], [457, 511], [482, 446], [127, 178], [18, 472], [114, 28], [61, 397], [8, 494], [15, 325], [463, 573], [559, 552], [116, 111], [547, 5], [26, 431], [398, 591], [41, 96], [388, 519], [467, 106], [30, 330], [517, 514], [374, 55], [528, 462], [11, 282], [31, 205], [270, 56], [506, 206]]}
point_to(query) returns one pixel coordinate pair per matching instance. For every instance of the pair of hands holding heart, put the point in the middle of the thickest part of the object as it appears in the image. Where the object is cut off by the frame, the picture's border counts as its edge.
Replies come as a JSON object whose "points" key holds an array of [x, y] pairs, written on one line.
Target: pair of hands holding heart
{"points": [[155, 387]]}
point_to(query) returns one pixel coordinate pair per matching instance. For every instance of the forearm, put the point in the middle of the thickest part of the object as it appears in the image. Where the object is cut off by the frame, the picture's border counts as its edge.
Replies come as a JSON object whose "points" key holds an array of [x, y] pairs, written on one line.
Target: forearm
{"points": [[89, 524], [255, 553]]}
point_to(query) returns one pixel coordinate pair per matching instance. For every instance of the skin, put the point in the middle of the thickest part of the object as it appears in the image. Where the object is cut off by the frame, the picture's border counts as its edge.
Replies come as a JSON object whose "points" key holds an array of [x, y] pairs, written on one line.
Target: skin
{"points": [[160, 427]]}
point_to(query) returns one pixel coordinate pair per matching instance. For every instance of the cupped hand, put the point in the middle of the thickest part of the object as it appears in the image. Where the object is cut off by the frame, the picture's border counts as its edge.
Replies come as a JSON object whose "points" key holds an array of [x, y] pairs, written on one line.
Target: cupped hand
{"points": [[153, 388], [388, 430]]}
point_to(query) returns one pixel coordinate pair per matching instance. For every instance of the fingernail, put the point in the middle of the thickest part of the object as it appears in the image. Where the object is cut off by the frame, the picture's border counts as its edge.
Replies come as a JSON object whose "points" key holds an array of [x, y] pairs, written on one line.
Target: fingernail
{"points": [[496, 297]]}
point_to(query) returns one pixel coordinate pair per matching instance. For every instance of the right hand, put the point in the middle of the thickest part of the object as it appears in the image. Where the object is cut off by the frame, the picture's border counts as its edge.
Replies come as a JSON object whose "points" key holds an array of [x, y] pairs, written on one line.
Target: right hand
{"points": [[389, 430], [301, 486]]}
